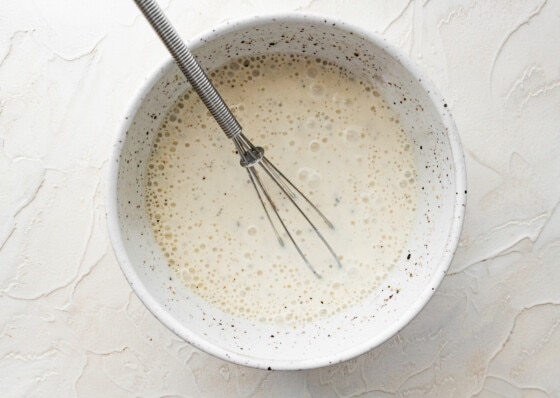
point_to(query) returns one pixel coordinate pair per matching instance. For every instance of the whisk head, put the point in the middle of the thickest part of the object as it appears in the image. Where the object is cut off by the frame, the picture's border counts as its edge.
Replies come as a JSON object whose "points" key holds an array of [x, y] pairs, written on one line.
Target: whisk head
{"points": [[253, 156]]}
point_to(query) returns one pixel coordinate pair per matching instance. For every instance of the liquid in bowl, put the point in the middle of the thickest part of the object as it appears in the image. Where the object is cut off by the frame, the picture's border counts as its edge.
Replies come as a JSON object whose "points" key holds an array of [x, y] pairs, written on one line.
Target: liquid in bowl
{"points": [[330, 132]]}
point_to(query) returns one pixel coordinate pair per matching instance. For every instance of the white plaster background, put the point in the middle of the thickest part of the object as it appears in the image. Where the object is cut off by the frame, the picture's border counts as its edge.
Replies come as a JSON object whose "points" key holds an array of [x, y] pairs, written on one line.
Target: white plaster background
{"points": [[70, 324]]}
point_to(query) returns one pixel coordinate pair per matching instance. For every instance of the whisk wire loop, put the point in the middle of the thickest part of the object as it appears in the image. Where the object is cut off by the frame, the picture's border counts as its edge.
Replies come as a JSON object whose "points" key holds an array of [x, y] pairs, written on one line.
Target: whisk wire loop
{"points": [[252, 156]]}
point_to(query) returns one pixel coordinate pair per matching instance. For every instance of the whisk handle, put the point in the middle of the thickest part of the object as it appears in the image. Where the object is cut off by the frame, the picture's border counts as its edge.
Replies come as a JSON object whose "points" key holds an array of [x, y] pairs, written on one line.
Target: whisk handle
{"points": [[190, 67]]}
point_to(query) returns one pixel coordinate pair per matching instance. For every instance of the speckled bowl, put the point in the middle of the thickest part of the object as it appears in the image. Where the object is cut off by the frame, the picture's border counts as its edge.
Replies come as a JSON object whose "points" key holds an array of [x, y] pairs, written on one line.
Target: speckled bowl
{"points": [[433, 240]]}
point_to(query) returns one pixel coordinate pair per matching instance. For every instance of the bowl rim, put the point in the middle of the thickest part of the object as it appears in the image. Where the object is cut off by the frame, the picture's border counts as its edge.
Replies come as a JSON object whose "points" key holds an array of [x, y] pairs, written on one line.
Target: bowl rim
{"points": [[158, 310]]}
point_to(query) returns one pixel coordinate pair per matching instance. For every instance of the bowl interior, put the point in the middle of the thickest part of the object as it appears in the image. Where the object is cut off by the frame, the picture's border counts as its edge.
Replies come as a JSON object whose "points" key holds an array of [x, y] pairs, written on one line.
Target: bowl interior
{"points": [[437, 157]]}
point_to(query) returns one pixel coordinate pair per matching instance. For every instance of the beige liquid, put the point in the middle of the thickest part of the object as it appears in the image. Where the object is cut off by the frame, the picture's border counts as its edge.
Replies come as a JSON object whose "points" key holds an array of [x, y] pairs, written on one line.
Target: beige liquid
{"points": [[335, 138]]}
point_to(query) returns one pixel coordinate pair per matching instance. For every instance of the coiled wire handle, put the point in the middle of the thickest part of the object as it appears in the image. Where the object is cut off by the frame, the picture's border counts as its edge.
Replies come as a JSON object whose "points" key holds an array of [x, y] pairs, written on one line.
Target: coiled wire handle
{"points": [[190, 67]]}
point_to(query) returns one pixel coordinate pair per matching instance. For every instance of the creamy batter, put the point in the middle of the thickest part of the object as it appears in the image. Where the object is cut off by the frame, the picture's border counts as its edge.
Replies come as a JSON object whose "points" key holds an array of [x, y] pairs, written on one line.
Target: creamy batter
{"points": [[329, 132]]}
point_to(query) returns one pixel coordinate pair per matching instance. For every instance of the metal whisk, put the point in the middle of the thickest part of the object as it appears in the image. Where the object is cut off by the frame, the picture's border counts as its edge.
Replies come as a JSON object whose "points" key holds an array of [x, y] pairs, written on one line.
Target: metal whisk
{"points": [[251, 155]]}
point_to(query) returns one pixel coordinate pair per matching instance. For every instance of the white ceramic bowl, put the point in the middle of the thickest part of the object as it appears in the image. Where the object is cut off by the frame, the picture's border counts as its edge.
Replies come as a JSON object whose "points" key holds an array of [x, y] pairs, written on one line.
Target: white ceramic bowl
{"points": [[432, 242]]}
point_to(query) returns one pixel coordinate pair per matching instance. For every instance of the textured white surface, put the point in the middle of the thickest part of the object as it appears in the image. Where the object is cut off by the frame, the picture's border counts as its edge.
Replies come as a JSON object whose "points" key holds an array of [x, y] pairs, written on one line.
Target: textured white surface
{"points": [[70, 324]]}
